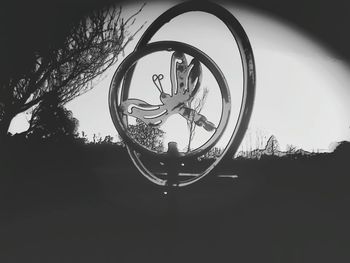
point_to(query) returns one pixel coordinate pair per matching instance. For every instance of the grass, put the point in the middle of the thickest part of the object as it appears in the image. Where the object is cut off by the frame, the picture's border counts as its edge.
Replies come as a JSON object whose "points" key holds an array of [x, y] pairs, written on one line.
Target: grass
{"points": [[89, 204]]}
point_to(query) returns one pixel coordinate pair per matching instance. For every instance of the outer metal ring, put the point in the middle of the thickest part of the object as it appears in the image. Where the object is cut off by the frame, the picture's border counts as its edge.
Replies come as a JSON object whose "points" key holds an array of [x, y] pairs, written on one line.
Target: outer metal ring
{"points": [[249, 77]]}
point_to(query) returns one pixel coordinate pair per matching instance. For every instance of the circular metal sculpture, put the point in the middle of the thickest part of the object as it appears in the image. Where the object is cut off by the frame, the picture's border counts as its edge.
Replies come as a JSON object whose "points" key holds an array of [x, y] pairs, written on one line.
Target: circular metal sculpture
{"points": [[185, 81]]}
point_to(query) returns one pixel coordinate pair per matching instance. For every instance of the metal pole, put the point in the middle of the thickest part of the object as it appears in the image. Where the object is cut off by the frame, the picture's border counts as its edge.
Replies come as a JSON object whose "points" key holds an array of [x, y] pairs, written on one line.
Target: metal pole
{"points": [[173, 168]]}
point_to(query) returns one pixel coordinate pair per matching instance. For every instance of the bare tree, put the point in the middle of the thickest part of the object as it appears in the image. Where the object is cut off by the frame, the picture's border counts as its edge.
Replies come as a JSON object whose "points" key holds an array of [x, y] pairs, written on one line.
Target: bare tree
{"points": [[67, 67], [197, 104]]}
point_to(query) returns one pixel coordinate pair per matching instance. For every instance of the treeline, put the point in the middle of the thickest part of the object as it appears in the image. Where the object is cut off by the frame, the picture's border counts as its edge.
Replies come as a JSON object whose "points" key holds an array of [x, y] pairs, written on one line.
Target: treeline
{"points": [[76, 152]]}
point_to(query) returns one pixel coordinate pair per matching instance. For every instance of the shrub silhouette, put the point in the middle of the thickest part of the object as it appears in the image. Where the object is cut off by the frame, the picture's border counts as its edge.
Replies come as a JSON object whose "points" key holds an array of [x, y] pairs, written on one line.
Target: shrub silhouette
{"points": [[51, 121], [148, 136]]}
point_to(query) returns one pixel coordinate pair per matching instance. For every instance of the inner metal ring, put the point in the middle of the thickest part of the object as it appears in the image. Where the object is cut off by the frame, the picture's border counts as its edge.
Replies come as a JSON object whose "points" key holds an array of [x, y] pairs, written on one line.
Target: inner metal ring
{"points": [[118, 89]]}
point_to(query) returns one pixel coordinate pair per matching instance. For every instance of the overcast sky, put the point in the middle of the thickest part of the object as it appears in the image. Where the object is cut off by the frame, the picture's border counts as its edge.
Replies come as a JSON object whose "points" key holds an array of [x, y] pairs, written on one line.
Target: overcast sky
{"points": [[302, 89]]}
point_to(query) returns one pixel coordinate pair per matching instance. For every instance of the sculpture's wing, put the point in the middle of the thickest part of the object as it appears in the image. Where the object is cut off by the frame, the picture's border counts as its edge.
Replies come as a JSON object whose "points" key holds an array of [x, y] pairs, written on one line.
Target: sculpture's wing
{"points": [[178, 71], [149, 114], [194, 77], [184, 78]]}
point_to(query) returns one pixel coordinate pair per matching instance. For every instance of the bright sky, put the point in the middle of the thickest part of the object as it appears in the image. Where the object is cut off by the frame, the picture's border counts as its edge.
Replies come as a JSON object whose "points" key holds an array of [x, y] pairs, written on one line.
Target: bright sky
{"points": [[301, 95]]}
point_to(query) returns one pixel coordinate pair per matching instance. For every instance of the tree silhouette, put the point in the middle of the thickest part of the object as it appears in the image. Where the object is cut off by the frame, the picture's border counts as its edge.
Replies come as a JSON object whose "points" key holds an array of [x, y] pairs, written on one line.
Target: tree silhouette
{"points": [[146, 135], [66, 68], [51, 121], [272, 146]]}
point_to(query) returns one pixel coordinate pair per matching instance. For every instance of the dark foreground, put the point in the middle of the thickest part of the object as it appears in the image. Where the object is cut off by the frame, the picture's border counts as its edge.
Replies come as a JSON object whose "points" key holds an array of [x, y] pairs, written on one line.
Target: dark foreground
{"points": [[104, 211]]}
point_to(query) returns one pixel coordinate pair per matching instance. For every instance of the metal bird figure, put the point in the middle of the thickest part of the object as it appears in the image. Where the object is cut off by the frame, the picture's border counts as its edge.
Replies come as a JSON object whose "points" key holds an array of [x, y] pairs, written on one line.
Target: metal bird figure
{"points": [[185, 82]]}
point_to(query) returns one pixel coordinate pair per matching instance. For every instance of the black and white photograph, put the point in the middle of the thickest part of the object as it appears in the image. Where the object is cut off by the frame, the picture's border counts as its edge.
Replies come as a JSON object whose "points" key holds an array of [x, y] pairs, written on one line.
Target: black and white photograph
{"points": [[174, 131]]}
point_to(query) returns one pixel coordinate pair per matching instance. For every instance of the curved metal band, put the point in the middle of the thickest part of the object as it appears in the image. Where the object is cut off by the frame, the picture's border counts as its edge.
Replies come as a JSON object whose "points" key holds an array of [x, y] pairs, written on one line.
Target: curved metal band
{"points": [[249, 80], [167, 46], [245, 49]]}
